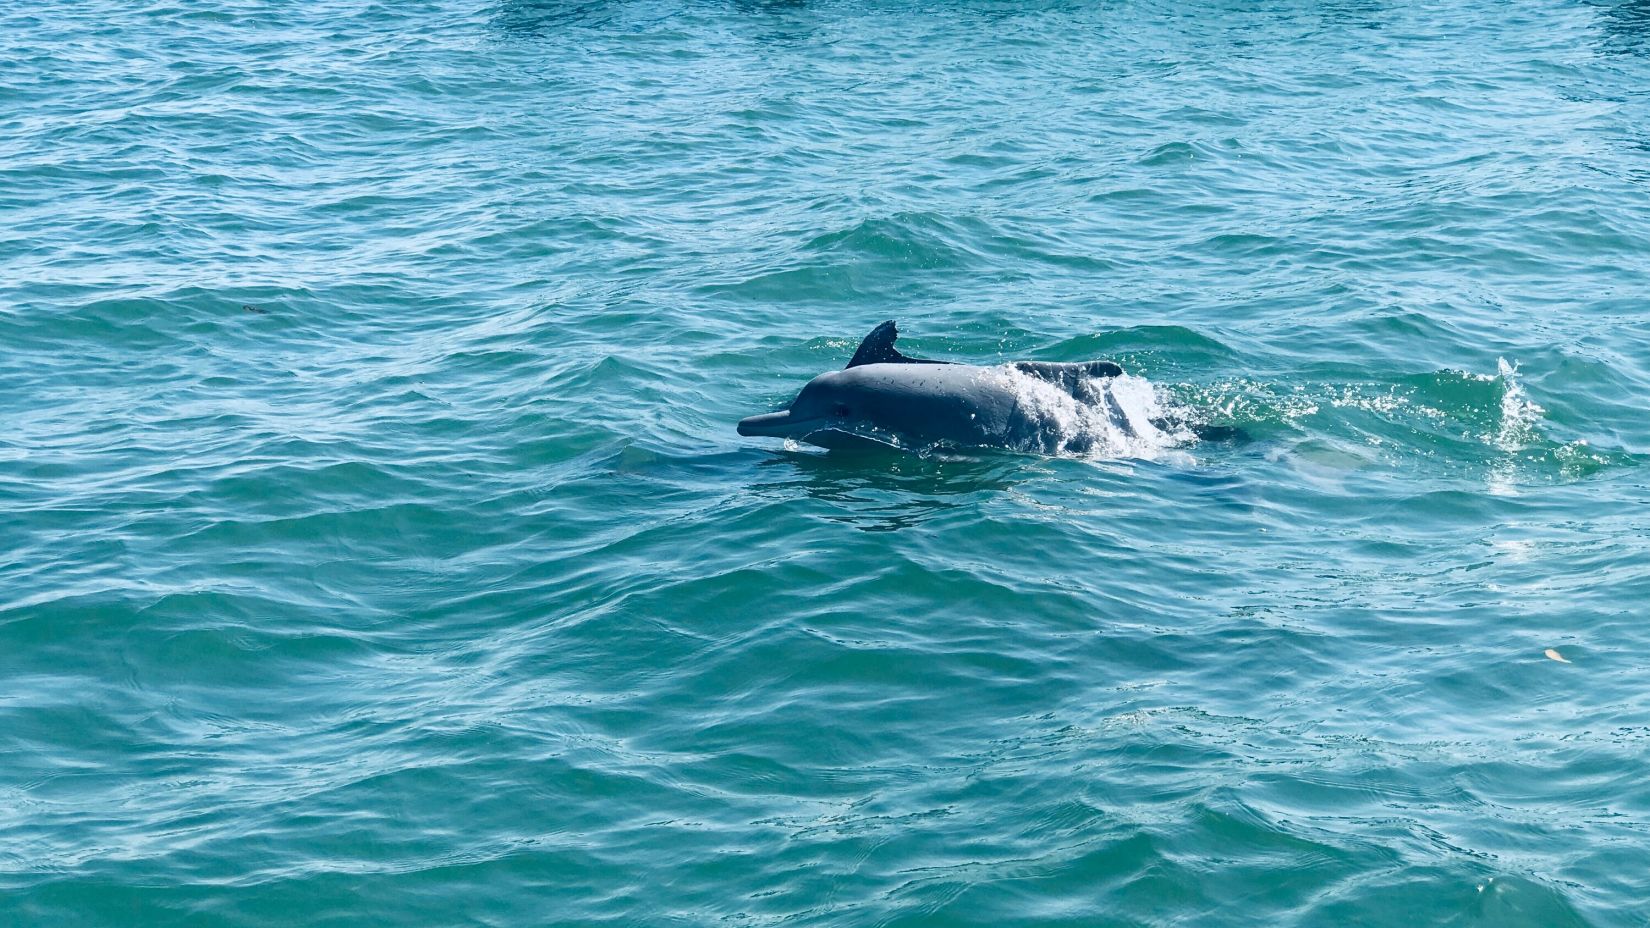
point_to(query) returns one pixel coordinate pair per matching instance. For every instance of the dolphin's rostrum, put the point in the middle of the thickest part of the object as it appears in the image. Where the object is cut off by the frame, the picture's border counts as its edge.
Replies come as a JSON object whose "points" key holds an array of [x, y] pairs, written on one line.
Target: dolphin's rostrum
{"points": [[885, 399]]}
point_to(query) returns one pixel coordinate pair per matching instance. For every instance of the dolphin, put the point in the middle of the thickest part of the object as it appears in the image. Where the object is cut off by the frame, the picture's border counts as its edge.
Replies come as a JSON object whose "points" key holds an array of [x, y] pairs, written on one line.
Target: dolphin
{"points": [[884, 399]]}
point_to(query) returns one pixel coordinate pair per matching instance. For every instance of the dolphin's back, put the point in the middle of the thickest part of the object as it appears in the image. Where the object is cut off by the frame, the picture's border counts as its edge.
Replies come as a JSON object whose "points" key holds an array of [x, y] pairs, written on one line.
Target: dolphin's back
{"points": [[957, 403]]}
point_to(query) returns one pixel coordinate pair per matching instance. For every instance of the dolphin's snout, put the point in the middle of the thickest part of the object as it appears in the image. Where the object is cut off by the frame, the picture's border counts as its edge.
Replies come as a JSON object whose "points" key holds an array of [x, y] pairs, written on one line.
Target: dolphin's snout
{"points": [[771, 424]]}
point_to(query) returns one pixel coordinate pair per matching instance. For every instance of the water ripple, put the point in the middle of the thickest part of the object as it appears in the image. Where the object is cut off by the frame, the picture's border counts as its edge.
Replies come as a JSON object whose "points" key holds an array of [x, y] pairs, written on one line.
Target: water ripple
{"points": [[376, 538]]}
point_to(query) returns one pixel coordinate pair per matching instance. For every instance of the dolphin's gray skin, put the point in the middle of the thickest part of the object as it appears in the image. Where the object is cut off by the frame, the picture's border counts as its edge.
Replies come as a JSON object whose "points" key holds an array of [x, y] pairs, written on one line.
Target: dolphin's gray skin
{"points": [[885, 399]]}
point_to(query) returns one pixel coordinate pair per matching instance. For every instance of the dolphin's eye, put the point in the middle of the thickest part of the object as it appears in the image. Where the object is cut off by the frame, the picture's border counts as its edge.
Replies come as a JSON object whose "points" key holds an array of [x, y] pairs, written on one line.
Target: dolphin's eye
{"points": [[840, 411]]}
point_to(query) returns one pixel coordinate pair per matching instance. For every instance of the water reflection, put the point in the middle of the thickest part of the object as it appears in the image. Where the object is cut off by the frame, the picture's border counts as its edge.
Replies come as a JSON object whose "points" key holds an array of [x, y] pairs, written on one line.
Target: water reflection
{"points": [[770, 6], [544, 17], [884, 492], [533, 18], [1626, 26]]}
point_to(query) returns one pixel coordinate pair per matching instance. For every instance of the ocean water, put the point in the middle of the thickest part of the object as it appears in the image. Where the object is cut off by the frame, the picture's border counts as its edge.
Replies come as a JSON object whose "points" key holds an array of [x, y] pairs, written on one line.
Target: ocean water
{"points": [[376, 546]]}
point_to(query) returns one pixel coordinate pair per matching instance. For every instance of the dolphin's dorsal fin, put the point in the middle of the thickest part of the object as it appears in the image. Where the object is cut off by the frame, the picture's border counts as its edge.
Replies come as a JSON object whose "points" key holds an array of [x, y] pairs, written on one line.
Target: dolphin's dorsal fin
{"points": [[878, 348]]}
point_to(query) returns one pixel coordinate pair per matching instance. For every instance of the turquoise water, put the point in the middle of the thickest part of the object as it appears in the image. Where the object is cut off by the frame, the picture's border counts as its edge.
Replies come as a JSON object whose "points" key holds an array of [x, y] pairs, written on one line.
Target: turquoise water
{"points": [[377, 547]]}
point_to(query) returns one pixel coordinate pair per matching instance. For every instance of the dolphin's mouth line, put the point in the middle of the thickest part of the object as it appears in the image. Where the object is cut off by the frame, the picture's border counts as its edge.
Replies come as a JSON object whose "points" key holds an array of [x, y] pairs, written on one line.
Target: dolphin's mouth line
{"points": [[826, 432], [782, 424]]}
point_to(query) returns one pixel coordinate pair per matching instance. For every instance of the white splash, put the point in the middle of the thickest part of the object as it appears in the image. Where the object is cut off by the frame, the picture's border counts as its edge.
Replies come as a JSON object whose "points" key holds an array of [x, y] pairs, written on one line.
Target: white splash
{"points": [[1103, 418], [1518, 413], [1515, 431]]}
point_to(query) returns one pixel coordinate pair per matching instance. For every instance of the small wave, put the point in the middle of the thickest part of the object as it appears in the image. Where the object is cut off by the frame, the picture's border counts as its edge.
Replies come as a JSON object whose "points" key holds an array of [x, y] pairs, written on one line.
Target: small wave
{"points": [[909, 240], [1470, 422]]}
